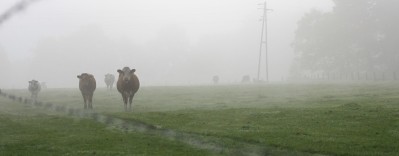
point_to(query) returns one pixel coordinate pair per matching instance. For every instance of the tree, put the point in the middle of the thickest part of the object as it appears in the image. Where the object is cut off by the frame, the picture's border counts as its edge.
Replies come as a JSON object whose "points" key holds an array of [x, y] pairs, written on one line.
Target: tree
{"points": [[357, 35]]}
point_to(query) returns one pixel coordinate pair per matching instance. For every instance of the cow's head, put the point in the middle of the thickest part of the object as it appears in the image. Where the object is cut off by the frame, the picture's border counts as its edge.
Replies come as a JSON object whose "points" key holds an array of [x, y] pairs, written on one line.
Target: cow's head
{"points": [[125, 74], [33, 82], [109, 76], [84, 76]]}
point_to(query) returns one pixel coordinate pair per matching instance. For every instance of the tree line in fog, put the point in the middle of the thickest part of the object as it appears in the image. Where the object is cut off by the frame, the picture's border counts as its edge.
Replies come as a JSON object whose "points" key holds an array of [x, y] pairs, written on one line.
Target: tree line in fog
{"points": [[356, 36]]}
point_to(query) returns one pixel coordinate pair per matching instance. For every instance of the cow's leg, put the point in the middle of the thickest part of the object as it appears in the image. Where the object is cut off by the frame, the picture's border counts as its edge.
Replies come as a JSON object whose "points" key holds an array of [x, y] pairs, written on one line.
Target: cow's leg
{"points": [[130, 101], [90, 97], [125, 100], [85, 101], [34, 97]]}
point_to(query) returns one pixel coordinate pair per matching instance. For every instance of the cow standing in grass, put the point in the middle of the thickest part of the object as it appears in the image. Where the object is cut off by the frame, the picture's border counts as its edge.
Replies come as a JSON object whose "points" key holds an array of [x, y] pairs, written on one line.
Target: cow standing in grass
{"points": [[245, 79], [43, 85], [215, 79], [87, 85], [128, 84], [34, 88], [109, 81]]}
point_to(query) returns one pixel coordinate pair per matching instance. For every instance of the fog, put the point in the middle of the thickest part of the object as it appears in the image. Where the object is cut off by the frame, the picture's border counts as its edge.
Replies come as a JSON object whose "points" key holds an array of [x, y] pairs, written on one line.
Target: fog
{"points": [[173, 42]]}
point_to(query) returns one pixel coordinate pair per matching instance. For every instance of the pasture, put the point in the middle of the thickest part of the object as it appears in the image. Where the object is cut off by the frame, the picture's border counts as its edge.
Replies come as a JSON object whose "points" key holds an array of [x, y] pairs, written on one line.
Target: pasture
{"points": [[276, 119]]}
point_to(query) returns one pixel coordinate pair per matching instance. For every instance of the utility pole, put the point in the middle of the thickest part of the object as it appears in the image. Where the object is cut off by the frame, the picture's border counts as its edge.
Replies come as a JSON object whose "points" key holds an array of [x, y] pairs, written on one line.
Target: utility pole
{"points": [[263, 41]]}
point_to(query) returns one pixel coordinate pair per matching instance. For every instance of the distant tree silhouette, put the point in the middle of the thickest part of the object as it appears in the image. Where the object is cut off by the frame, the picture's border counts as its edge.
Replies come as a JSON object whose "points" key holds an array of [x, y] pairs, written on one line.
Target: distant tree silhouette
{"points": [[358, 35]]}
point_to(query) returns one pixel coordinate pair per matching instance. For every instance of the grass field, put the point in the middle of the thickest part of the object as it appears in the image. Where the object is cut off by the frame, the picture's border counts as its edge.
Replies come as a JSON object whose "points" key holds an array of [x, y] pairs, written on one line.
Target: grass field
{"points": [[275, 119]]}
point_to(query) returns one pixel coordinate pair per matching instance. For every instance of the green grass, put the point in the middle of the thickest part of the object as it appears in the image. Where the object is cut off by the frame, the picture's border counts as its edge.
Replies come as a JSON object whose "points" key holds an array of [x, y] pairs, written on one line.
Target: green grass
{"points": [[37, 133], [333, 119]]}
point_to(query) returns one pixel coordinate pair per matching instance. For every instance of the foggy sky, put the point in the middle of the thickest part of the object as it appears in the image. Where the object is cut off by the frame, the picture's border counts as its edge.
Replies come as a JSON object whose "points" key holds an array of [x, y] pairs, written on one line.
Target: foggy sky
{"points": [[174, 42]]}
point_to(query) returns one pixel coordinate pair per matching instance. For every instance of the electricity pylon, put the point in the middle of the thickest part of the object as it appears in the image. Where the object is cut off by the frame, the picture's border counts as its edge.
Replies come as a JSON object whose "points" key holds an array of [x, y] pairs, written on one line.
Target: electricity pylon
{"points": [[263, 41]]}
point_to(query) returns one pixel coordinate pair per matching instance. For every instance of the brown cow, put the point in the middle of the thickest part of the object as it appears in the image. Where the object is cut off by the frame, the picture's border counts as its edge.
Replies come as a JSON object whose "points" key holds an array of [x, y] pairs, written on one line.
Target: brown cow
{"points": [[87, 85], [128, 84]]}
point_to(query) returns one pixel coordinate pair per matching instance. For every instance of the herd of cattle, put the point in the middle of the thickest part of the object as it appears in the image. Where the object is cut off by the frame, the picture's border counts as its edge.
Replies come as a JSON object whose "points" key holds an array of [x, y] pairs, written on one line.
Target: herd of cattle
{"points": [[128, 84]]}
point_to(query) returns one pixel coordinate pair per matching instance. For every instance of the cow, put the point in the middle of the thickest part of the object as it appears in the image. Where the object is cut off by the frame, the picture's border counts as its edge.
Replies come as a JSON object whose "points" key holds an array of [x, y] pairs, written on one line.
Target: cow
{"points": [[215, 79], [128, 84], [43, 85], [109, 81], [245, 79], [34, 88], [87, 85]]}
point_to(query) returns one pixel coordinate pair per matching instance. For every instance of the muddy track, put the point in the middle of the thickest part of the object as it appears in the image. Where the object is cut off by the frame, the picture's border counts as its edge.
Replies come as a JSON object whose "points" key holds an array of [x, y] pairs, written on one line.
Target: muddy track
{"points": [[213, 144]]}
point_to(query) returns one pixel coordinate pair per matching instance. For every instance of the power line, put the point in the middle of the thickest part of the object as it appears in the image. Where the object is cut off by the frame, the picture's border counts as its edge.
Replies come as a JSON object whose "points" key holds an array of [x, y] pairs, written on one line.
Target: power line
{"points": [[18, 7]]}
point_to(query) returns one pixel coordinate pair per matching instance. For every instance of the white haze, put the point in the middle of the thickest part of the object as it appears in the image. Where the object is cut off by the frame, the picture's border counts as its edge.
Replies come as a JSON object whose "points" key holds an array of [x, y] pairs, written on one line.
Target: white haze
{"points": [[169, 42]]}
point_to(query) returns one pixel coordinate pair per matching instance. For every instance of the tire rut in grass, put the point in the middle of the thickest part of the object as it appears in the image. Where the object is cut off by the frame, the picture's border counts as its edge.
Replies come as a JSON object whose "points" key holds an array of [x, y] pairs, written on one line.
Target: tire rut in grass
{"points": [[217, 145]]}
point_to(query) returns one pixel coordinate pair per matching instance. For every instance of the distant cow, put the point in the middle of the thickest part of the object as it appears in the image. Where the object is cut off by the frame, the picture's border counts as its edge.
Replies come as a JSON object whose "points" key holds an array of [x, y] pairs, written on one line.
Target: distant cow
{"points": [[215, 79], [128, 84], [44, 85], [87, 85], [109, 81], [245, 79], [34, 88]]}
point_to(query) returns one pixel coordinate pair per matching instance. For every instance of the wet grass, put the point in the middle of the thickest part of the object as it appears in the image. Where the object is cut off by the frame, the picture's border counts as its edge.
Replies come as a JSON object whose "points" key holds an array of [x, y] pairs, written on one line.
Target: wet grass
{"points": [[331, 119], [39, 132]]}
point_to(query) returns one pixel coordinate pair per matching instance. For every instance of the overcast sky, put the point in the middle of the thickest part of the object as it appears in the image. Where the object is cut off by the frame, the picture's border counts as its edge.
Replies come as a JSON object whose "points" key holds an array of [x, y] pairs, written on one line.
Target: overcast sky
{"points": [[143, 23]]}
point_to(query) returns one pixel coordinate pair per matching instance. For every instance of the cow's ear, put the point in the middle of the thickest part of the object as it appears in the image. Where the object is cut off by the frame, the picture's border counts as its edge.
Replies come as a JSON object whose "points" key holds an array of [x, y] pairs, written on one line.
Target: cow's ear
{"points": [[79, 76], [119, 71], [133, 70]]}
